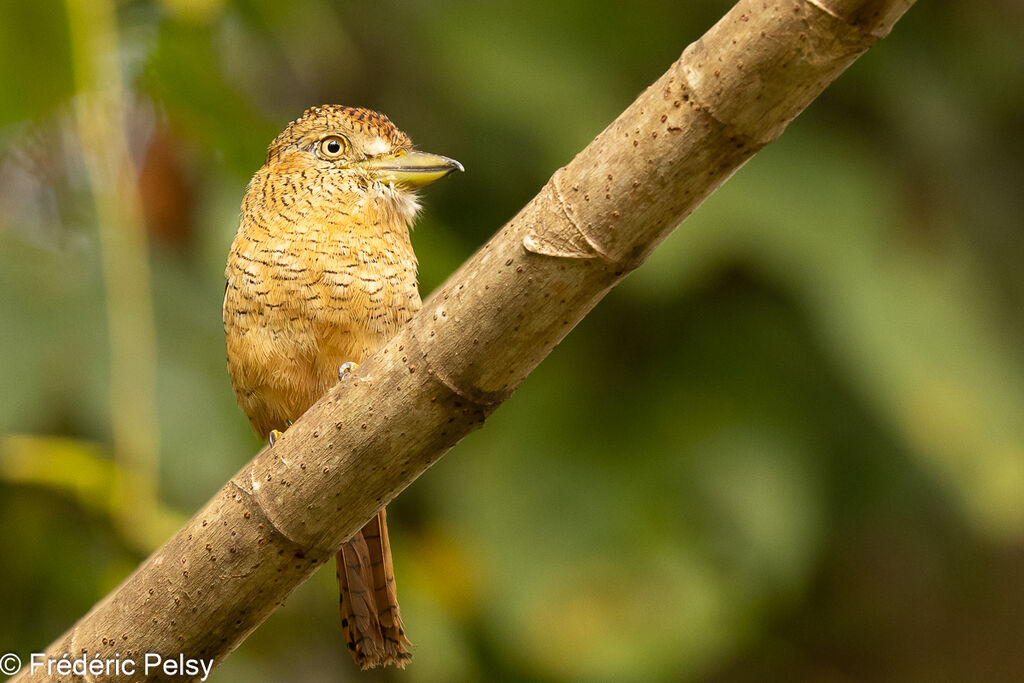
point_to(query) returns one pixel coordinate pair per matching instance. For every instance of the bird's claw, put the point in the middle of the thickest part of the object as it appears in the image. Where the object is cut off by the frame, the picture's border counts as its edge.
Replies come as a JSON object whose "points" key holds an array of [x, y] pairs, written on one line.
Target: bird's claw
{"points": [[274, 436], [346, 369]]}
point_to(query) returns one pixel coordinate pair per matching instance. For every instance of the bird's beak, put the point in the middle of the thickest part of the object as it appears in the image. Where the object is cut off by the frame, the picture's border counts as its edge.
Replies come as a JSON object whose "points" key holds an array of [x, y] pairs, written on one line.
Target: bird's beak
{"points": [[411, 169]]}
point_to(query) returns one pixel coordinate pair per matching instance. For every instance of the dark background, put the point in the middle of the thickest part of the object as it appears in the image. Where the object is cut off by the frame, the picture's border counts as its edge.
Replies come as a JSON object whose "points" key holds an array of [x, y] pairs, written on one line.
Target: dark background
{"points": [[789, 447]]}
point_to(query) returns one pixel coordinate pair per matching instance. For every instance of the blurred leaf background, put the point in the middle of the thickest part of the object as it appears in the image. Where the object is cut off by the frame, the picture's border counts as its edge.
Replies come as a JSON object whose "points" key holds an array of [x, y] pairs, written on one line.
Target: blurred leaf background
{"points": [[790, 447]]}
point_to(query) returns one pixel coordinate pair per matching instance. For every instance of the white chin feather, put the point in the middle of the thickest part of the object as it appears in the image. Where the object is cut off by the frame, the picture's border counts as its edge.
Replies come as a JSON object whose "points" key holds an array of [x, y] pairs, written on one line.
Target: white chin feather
{"points": [[403, 204]]}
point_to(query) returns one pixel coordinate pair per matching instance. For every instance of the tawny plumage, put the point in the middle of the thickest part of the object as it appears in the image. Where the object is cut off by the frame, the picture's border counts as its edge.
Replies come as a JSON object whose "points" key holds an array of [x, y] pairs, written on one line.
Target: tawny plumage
{"points": [[322, 273]]}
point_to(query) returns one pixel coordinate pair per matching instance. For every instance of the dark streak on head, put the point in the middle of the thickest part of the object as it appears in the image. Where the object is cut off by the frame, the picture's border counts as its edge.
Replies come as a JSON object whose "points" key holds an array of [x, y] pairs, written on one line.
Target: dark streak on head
{"points": [[348, 121]]}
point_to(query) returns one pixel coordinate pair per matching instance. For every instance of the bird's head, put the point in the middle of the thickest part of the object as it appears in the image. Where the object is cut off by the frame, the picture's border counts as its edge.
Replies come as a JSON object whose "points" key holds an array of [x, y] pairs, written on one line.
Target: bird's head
{"points": [[360, 142]]}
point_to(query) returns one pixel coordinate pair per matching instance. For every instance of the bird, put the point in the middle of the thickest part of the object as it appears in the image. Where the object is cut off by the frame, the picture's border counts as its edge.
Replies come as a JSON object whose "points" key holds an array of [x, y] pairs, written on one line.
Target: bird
{"points": [[320, 274]]}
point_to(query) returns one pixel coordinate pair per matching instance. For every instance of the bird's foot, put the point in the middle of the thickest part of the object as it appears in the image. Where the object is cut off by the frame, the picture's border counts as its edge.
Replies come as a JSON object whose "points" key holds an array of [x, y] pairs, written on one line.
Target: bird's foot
{"points": [[346, 369], [275, 434]]}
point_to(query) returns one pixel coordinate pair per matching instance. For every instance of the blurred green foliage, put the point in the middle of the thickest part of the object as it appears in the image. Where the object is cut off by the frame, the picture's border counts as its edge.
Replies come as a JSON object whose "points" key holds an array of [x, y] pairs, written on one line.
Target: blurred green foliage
{"points": [[790, 447]]}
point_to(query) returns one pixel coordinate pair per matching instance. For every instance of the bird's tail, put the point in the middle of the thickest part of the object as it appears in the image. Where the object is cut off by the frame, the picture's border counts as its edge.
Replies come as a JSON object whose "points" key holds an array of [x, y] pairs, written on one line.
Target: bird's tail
{"points": [[369, 601]]}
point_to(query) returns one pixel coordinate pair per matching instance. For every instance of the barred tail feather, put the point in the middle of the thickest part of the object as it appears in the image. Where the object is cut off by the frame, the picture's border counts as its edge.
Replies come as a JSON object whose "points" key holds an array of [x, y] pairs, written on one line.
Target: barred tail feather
{"points": [[370, 615]]}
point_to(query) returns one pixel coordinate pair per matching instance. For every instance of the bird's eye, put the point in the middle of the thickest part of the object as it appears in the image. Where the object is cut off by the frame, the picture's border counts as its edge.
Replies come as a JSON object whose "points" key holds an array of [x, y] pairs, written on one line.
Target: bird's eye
{"points": [[332, 147]]}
